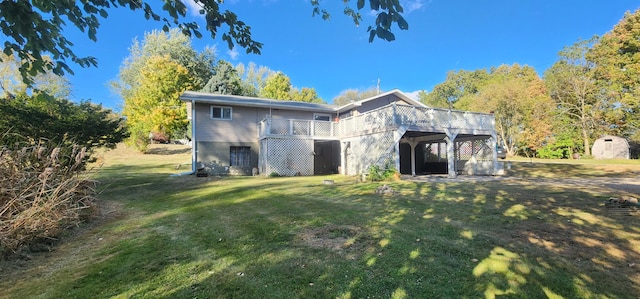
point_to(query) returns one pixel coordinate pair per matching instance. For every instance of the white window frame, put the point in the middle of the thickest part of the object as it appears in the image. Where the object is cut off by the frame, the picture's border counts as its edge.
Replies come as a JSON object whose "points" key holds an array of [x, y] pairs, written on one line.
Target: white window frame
{"points": [[315, 115], [222, 108]]}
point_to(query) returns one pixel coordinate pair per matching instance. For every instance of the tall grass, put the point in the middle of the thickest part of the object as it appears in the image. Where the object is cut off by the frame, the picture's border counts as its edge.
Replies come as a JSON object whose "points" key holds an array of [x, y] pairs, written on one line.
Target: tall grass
{"points": [[42, 192]]}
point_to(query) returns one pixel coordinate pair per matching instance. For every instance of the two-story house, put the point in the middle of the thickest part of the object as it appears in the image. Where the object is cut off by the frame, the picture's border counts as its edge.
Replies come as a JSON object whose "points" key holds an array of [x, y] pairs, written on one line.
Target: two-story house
{"points": [[239, 135]]}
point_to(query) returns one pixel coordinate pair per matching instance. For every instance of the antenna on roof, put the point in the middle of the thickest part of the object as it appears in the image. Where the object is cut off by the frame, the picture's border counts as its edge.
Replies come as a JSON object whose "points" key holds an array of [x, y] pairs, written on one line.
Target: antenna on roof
{"points": [[378, 85]]}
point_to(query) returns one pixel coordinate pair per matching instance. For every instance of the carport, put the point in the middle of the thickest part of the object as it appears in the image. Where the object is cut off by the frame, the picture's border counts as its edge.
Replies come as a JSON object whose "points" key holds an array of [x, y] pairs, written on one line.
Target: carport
{"points": [[423, 153]]}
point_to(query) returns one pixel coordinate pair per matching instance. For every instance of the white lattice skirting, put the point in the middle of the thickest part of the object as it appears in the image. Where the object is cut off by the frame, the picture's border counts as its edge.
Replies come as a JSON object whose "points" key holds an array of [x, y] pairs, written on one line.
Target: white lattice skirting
{"points": [[286, 157]]}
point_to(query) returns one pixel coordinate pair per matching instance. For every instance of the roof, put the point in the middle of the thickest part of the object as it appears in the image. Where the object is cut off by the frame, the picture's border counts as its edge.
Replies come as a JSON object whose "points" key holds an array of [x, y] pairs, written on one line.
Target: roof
{"points": [[220, 99], [395, 92]]}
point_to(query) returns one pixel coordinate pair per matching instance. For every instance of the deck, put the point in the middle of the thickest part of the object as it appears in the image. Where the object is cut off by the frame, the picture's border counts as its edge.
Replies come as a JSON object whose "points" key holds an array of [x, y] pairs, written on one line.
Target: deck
{"points": [[391, 117]]}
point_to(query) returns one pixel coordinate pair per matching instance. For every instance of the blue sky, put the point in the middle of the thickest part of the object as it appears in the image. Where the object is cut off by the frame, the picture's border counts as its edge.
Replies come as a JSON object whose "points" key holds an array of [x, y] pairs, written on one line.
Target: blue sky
{"points": [[335, 55]]}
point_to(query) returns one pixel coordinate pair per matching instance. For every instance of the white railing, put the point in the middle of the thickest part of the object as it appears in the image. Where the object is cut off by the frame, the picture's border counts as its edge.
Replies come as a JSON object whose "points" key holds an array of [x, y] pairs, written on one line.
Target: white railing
{"points": [[297, 127], [386, 117]]}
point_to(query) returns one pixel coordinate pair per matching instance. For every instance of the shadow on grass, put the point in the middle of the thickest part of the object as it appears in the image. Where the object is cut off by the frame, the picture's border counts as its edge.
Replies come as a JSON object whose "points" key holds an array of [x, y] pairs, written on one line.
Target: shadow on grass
{"points": [[536, 169], [242, 237], [169, 149]]}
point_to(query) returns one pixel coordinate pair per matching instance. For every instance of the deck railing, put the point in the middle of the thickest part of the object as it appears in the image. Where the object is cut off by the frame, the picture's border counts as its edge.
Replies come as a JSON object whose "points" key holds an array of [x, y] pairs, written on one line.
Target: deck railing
{"points": [[386, 117]]}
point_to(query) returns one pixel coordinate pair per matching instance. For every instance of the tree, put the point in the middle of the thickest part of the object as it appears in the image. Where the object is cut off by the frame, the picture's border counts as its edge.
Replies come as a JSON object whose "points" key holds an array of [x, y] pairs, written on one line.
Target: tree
{"points": [[225, 80], [305, 94], [354, 95], [571, 85], [253, 78], [33, 28], [155, 106], [457, 85], [50, 83], [517, 97], [60, 120], [617, 74], [277, 86], [158, 43]]}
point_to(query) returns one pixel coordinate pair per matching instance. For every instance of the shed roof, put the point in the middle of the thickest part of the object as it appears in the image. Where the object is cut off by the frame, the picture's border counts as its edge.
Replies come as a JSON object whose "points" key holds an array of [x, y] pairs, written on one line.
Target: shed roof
{"points": [[220, 99]]}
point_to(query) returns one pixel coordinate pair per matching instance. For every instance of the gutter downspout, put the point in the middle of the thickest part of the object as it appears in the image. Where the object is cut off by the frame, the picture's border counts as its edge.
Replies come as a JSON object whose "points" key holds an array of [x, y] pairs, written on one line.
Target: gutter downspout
{"points": [[194, 144]]}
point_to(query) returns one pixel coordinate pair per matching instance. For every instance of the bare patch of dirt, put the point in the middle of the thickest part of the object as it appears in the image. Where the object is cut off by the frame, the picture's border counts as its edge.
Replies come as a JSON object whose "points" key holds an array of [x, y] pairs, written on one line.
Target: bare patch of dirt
{"points": [[334, 237]]}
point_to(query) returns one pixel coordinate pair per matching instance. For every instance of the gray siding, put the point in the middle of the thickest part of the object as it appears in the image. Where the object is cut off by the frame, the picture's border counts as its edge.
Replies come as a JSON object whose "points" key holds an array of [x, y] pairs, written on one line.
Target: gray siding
{"points": [[215, 156], [377, 103]]}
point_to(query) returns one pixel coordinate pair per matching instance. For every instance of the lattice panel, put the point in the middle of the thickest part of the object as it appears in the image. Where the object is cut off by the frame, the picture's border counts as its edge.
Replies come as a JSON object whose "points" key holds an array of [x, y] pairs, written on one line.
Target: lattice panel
{"points": [[484, 150], [367, 150], [300, 127], [279, 126], [481, 148], [288, 157], [464, 150], [322, 128]]}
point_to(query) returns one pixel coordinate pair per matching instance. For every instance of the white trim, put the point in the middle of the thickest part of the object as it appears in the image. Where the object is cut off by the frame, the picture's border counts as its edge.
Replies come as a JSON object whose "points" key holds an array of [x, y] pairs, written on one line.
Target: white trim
{"points": [[222, 108]]}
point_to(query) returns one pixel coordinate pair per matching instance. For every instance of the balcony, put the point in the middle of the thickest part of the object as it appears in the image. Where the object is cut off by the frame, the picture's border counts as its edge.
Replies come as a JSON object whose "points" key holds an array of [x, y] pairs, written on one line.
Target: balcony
{"points": [[389, 117]]}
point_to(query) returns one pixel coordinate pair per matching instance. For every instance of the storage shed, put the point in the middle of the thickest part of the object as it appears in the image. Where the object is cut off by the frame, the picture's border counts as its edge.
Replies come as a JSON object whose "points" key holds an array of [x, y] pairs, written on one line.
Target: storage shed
{"points": [[610, 147]]}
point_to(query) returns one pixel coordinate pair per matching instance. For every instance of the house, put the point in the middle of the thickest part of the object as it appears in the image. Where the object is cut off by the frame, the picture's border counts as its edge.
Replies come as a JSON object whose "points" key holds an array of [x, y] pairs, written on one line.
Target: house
{"points": [[610, 147], [237, 135]]}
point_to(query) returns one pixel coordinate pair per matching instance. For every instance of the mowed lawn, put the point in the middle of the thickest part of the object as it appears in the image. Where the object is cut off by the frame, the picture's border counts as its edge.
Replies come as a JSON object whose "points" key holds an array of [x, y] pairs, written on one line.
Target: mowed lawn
{"points": [[162, 236]]}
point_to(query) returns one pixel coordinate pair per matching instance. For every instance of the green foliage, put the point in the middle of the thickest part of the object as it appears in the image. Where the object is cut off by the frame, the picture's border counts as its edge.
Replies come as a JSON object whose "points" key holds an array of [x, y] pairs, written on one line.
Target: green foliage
{"points": [[306, 94], [457, 85], [571, 85], [617, 74], [253, 78], [225, 80], [173, 44], [33, 28], [377, 173], [277, 87], [43, 116], [155, 106], [389, 12], [513, 93], [354, 95]]}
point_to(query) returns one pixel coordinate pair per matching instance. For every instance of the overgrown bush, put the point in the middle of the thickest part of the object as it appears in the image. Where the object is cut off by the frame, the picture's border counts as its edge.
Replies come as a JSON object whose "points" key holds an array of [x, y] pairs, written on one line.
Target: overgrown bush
{"points": [[42, 192], [377, 173]]}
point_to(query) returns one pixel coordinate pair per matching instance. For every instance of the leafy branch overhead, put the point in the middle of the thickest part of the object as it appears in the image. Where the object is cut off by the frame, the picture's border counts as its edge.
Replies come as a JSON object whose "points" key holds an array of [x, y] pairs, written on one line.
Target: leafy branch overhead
{"points": [[388, 13], [35, 29]]}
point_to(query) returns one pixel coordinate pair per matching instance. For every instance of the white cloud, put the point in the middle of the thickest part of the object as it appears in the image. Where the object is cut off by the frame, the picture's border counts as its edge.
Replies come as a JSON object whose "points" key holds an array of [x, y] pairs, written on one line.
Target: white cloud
{"points": [[414, 94], [193, 7], [412, 5], [233, 54]]}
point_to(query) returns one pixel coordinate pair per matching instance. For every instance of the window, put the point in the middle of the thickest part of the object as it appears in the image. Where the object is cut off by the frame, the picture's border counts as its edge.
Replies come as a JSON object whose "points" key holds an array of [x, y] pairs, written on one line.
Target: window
{"points": [[321, 116], [240, 156], [220, 112]]}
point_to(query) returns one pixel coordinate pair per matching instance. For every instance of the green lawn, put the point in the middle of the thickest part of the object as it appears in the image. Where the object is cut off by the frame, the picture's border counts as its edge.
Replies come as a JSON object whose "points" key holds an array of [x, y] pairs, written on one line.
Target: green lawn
{"points": [[255, 237]]}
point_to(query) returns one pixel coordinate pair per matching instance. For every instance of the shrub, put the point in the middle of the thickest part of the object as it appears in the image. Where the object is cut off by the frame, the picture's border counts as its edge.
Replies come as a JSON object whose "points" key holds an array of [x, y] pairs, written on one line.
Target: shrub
{"points": [[376, 173], [42, 192]]}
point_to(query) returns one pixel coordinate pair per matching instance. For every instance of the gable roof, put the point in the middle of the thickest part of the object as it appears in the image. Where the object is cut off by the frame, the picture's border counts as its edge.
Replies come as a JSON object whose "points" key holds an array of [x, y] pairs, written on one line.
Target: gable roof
{"points": [[395, 92], [221, 99]]}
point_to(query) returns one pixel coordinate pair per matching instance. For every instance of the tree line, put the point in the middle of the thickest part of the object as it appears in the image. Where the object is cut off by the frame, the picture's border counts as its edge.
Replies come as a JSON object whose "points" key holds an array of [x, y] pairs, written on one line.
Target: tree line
{"points": [[593, 89]]}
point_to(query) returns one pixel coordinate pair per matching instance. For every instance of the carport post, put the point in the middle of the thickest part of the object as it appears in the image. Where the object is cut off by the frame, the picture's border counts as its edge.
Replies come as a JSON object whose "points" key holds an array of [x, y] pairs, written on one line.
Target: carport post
{"points": [[413, 145], [451, 155]]}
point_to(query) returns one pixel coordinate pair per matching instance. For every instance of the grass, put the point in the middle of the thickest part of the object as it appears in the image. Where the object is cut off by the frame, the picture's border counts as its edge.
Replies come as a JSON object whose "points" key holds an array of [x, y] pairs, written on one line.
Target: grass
{"points": [[294, 237]]}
